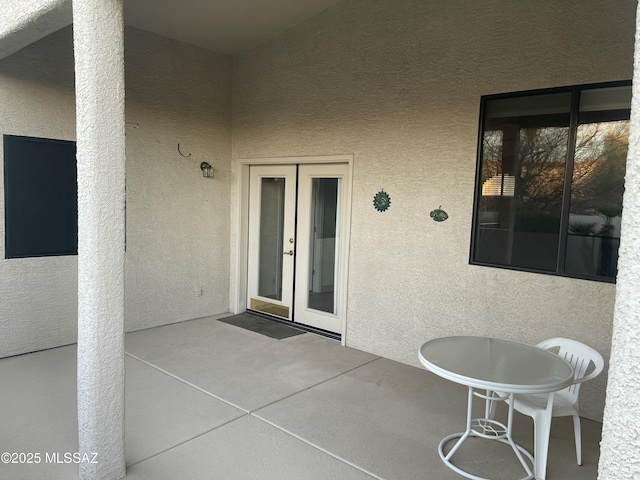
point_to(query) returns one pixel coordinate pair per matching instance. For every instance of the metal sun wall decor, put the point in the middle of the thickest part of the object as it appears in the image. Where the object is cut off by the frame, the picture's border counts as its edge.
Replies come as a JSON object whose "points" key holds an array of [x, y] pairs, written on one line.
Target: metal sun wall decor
{"points": [[381, 201], [438, 214]]}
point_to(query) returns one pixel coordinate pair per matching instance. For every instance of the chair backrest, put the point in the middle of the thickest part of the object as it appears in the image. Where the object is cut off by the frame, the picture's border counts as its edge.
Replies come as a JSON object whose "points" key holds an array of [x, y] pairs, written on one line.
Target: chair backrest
{"points": [[580, 356]]}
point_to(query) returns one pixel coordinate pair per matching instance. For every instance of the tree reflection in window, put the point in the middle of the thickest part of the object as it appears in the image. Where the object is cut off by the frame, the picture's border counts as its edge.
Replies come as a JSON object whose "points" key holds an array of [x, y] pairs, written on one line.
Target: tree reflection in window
{"points": [[596, 198], [524, 143], [538, 149]]}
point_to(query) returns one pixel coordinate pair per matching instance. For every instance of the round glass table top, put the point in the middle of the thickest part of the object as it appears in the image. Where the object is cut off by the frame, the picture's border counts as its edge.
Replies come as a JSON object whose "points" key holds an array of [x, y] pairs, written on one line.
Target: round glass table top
{"points": [[496, 364]]}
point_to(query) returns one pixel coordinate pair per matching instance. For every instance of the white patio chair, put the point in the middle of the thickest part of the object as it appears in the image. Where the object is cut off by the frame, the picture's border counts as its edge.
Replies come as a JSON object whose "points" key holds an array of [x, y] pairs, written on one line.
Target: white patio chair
{"points": [[565, 402]]}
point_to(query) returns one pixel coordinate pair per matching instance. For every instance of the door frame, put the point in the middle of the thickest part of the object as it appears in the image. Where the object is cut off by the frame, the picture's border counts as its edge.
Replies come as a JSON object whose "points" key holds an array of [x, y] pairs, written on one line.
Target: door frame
{"points": [[241, 242]]}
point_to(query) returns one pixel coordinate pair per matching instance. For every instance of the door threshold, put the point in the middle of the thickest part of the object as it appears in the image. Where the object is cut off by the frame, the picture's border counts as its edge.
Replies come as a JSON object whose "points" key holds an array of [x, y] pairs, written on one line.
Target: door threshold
{"points": [[304, 328]]}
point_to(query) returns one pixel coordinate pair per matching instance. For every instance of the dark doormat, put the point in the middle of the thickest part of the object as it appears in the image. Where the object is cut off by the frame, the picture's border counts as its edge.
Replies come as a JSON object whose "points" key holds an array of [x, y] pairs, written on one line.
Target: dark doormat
{"points": [[262, 325]]}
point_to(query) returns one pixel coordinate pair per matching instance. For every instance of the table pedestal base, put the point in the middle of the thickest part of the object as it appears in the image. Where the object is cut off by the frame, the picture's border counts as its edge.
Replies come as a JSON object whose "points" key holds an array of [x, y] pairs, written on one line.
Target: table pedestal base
{"points": [[466, 474], [490, 429]]}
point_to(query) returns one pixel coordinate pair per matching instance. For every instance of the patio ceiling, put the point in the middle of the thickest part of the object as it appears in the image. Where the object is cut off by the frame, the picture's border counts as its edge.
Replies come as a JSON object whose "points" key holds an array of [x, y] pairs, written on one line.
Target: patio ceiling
{"points": [[224, 26]]}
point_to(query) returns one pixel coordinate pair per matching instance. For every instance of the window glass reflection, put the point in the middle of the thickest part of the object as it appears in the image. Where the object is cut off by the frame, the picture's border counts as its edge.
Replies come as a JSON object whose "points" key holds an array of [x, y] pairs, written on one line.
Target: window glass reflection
{"points": [[271, 238], [523, 163], [323, 245], [596, 198]]}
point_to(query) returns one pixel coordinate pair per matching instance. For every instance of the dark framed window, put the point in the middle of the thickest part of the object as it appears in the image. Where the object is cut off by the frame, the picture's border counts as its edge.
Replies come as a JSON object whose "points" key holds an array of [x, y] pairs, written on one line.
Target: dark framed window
{"points": [[40, 197], [550, 179]]}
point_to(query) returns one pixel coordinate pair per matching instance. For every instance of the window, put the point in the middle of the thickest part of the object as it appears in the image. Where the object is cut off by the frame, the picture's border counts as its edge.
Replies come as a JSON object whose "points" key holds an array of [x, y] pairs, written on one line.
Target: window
{"points": [[550, 179], [40, 197]]}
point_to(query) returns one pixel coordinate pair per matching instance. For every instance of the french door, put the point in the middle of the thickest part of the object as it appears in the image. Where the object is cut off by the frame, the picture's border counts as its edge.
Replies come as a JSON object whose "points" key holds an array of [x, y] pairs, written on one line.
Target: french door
{"points": [[296, 243]]}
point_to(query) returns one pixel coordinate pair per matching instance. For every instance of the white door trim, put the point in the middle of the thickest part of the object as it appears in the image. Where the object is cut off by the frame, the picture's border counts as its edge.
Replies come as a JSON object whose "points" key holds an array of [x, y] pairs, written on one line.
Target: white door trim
{"points": [[241, 227]]}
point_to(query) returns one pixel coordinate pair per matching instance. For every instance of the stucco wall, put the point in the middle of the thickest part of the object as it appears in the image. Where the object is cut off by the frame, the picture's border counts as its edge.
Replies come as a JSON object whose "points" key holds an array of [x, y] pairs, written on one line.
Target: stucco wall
{"points": [[397, 83], [177, 221], [38, 296]]}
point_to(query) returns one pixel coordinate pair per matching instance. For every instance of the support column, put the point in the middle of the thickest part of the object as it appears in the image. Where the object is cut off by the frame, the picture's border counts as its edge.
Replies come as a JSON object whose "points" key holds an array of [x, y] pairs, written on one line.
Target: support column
{"points": [[99, 74], [620, 447]]}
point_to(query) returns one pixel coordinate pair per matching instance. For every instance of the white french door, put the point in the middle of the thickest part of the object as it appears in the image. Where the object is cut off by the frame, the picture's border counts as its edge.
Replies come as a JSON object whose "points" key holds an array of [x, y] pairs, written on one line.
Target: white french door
{"points": [[296, 243], [272, 206]]}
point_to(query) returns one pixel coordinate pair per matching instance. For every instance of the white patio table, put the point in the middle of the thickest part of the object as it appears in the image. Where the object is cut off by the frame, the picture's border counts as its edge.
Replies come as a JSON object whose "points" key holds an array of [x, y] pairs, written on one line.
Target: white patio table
{"points": [[495, 369]]}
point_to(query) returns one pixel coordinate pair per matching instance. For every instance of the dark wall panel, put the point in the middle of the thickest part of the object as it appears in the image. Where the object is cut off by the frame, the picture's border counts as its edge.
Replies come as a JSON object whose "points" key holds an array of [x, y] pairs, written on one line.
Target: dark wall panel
{"points": [[41, 197]]}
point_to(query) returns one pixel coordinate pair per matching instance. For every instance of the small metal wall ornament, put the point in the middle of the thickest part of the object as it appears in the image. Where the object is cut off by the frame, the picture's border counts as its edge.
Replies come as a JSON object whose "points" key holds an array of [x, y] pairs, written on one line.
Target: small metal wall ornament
{"points": [[438, 214], [381, 201]]}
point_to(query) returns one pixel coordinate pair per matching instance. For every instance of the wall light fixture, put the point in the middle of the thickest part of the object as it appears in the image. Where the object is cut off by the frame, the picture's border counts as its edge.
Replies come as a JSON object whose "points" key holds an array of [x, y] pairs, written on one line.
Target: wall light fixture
{"points": [[207, 170]]}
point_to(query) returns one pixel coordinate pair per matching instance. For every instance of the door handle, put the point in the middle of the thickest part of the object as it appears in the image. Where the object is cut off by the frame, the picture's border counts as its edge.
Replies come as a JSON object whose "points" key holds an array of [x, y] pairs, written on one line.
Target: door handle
{"points": [[290, 252]]}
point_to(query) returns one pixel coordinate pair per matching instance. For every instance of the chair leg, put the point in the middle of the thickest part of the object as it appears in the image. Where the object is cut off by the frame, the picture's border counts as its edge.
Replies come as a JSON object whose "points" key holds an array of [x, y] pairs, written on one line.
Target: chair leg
{"points": [[576, 434]]}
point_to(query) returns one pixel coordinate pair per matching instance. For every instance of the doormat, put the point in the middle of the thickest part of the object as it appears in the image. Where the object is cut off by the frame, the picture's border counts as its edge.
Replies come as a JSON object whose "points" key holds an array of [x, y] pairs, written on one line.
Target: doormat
{"points": [[261, 325]]}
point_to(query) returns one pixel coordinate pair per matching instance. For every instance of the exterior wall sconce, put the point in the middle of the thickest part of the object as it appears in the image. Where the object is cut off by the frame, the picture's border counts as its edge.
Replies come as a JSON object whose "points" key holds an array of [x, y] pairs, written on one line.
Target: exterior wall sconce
{"points": [[207, 170]]}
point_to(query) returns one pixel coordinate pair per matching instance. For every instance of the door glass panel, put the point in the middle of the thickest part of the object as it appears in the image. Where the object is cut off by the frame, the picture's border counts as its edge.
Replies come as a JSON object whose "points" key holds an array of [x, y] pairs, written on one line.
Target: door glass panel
{"points": [[271, 238], [323, 245]]}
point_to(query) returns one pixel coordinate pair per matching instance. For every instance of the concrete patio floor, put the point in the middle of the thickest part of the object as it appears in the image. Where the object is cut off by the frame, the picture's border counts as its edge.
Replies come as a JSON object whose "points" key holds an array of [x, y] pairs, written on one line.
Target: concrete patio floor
{"points": [[208, 400]]}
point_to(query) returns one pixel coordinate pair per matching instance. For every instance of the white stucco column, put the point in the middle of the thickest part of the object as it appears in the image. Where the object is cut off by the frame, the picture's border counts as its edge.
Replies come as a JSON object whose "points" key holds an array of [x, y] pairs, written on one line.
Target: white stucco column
{"points": [[99, 69], [620, 447]]}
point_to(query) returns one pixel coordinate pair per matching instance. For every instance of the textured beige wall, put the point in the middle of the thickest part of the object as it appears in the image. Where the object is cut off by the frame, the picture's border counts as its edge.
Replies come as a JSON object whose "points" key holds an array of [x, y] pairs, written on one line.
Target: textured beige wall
{"points": [[177, 221], [38, 296], [397, 83]]}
